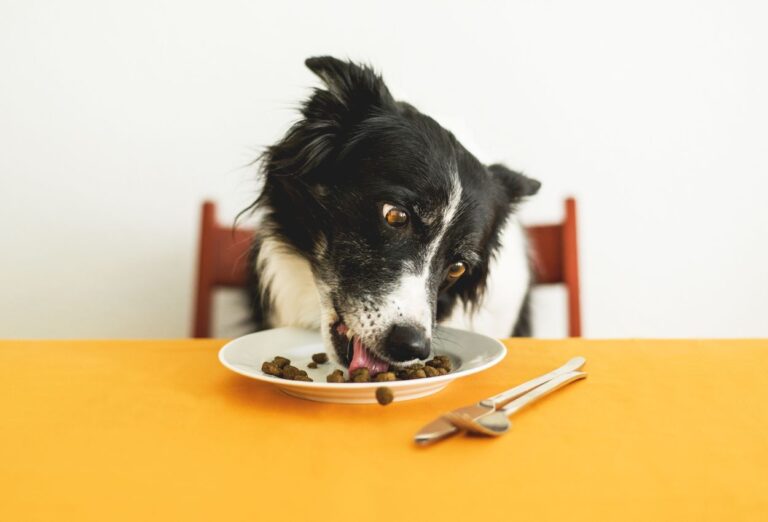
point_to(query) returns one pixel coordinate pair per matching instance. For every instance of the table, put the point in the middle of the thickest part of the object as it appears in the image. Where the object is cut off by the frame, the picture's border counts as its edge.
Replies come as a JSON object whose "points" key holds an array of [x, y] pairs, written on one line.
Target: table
{"points": [[158, 430]]}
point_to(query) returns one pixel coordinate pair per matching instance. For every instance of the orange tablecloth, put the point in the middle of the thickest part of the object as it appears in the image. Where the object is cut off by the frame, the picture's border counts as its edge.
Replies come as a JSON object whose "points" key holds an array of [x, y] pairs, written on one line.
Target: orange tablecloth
{"points": [[158, 430]]}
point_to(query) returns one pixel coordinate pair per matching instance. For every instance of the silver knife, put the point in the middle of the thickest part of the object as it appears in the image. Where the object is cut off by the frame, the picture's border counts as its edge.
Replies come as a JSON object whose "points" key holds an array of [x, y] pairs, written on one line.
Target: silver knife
{"points": [[440, 428]]}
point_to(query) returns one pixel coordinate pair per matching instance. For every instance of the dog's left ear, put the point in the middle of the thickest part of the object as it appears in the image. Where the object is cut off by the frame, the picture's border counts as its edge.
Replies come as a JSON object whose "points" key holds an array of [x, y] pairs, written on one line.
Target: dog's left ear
{"points": [[356, 87], [516, 184], [353, 93]]}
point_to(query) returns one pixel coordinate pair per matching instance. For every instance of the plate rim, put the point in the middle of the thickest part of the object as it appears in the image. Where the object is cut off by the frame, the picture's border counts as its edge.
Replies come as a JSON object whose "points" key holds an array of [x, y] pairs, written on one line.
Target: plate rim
{"points": [[361, 385]]}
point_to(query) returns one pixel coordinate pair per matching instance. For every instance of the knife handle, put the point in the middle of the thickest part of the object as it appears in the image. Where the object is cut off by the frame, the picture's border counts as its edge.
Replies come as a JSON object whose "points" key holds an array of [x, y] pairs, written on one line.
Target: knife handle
{"points": [[500, 400], [543, 390]]}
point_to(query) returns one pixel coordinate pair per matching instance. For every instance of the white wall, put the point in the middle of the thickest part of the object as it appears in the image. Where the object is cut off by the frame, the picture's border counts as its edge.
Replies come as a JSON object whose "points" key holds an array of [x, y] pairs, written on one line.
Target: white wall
{"points": [[116, 120]]}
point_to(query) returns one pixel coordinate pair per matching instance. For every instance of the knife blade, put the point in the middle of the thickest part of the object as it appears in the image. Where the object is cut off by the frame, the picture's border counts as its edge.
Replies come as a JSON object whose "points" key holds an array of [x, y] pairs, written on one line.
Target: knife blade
{"points": [[440, 428]]}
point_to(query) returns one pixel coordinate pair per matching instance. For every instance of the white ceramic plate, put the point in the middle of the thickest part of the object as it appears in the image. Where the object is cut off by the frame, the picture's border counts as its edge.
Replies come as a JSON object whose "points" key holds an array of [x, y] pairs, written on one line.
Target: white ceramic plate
{"points": [[469, 352]]}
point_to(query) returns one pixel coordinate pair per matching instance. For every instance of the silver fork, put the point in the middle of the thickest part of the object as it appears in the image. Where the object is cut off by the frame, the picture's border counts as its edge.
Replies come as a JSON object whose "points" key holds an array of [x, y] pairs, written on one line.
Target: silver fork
{"points": [[498, 423]]}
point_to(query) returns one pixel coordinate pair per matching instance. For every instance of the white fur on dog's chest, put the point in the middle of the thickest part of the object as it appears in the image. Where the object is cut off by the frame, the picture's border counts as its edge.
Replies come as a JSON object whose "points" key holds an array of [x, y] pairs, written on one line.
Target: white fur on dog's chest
{"points": [[288, 279]]}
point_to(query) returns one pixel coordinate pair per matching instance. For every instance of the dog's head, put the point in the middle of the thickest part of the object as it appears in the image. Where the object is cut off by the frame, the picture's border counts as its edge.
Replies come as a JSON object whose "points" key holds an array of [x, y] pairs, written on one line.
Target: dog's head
{"points": [[396, 218]]}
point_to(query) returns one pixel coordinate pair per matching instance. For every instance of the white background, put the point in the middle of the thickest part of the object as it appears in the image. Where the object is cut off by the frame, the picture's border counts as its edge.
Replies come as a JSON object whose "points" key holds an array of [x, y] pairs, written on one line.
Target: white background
{"points": [[116, 120]]}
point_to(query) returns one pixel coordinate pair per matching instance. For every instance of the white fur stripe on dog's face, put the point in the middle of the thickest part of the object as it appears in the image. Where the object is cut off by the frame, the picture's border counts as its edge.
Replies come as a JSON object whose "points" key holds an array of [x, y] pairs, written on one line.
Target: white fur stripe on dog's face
{"points": [[448, 213], [410, 301]]}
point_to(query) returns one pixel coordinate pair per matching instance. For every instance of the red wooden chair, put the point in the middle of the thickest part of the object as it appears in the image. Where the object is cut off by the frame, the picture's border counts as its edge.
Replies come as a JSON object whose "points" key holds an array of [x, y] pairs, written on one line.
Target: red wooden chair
{"points": [[556, 260], [221, 263], [223, 256]]}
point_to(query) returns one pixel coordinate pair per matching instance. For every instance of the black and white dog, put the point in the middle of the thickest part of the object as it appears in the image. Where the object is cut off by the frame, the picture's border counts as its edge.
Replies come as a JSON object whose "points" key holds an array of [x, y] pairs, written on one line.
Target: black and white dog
{"points": [[375, 224]]}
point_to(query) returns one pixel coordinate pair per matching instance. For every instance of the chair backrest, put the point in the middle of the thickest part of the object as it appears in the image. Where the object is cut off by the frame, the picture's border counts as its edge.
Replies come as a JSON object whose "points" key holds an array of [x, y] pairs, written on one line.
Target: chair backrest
{"points": [[222, 262], [556, 260], [223, 255]]}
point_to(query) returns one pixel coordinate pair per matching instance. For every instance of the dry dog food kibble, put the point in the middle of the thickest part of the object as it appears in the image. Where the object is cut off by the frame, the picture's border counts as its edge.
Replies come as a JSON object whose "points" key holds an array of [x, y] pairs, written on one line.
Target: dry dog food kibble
{"points": [[384, 395], [336, 376], [440, 361], [361, 375], [289, 372], [281, 367], [320, 358], [280, 361], [385, 376], [270, 368], [417, 374]]}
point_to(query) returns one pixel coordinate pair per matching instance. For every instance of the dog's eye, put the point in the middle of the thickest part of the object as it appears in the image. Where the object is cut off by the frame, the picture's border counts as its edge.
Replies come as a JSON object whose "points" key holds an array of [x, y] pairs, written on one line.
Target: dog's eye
{"points": [[395, 216], [456, 270]]}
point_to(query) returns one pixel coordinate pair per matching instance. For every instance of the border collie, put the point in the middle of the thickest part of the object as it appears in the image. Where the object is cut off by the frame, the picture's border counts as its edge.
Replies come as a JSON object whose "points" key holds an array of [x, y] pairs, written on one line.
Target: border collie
{"points": [[375, 224]]}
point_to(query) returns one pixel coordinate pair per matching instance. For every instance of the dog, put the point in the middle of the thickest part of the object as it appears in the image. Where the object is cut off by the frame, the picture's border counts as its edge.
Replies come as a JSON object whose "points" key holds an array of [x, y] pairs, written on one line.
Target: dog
{"points": [[375, 224]]}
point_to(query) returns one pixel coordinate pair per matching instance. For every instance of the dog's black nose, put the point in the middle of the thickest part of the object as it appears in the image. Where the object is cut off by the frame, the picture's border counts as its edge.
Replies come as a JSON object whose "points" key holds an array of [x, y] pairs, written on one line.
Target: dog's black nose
{"points": [[405, 343]]}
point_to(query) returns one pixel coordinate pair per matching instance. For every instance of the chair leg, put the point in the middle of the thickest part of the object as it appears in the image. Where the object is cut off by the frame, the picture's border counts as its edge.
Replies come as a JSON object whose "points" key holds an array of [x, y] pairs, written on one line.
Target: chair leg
{"points": [[205, 267], [571, 268]]}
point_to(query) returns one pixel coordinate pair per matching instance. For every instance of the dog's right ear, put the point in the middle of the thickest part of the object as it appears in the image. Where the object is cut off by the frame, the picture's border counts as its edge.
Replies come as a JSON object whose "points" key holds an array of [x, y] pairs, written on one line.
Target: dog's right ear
{"points": [[353, 93], [516, 185]]}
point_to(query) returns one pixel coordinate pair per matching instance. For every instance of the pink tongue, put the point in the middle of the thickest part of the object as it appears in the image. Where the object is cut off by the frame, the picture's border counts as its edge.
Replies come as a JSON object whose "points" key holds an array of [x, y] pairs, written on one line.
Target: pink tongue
{"points": [[362, 358]]}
